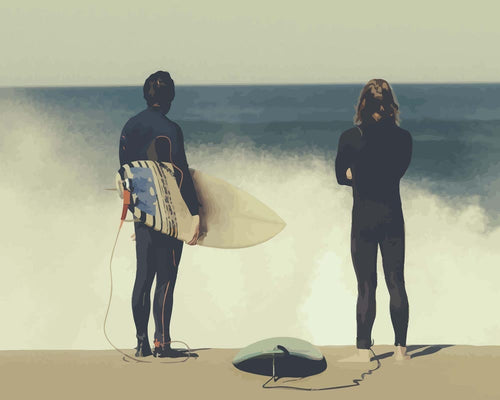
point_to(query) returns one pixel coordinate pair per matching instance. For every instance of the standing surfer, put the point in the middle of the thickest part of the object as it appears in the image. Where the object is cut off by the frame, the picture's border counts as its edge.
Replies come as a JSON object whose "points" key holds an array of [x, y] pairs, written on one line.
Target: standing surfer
{"points": [[151, 135], [372, 158]]}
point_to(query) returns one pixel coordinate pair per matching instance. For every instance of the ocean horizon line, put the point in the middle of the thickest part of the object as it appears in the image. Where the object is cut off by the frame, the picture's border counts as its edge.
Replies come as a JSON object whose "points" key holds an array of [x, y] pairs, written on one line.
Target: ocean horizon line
{"points": [[216, 85]]}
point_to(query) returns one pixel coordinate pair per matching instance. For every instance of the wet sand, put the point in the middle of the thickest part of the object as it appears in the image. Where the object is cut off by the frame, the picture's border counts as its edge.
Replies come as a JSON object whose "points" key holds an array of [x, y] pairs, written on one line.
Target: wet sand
{"points": [[434, 372]]}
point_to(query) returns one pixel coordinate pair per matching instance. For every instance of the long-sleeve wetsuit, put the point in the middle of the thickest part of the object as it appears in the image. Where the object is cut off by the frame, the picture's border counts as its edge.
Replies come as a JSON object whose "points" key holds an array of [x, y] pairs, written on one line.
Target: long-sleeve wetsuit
{"points": [[139, 133], [157, 254], [378, 155]]}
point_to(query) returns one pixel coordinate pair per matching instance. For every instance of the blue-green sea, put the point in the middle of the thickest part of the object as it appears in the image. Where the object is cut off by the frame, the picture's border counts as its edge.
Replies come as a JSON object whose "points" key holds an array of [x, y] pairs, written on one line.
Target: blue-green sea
{"points": [[59, 151]]}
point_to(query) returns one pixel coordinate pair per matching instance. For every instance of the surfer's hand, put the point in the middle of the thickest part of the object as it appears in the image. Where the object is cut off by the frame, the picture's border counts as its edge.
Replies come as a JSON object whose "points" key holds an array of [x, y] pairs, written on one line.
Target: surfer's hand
{"points": [[348, 174], [132, 237], [193, 241]]}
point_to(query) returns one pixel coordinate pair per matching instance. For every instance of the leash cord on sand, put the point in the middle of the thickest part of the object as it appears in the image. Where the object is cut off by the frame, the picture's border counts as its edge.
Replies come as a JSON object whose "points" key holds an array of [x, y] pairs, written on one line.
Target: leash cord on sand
{"points": [[125, 355], [356, 382]]}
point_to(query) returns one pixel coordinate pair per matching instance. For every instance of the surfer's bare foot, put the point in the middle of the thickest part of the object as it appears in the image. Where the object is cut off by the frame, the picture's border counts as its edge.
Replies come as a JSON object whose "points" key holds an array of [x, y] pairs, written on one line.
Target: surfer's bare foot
{"points": [[400, 354], [362, 355]]}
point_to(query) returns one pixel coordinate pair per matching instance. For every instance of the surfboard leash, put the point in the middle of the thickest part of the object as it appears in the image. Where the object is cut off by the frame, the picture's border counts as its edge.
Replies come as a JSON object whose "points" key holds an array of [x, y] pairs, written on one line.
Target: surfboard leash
{"points": [[126, 203], [356, 382], [171, 162]]}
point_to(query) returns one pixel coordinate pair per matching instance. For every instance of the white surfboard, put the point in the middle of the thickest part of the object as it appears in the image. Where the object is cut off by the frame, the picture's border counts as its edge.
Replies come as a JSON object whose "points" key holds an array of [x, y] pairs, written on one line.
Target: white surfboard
{"points": [[230, 218]]}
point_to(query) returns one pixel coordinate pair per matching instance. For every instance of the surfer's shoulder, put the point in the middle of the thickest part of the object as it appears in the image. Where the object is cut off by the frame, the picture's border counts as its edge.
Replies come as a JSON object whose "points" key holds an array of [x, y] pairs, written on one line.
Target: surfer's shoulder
{"points": [[404, 133], [135, 120], [351, 135], [354, 131], [130, 125], [176, 127]]}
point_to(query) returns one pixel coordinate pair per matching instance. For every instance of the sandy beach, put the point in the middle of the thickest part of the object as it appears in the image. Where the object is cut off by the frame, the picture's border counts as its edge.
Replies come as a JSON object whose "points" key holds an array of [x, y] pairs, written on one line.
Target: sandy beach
{"points": [[435, 371]]}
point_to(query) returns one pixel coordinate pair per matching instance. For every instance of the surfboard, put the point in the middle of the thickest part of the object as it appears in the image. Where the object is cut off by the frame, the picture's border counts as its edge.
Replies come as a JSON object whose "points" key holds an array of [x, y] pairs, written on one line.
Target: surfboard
{"points": [[229, 217], [281, 356]]}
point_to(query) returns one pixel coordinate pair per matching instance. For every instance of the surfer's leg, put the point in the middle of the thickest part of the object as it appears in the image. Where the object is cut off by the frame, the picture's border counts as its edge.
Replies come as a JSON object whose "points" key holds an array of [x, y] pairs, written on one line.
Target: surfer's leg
{"points": [[141, 302], [364, 258], [392, 248], [166, 255]]}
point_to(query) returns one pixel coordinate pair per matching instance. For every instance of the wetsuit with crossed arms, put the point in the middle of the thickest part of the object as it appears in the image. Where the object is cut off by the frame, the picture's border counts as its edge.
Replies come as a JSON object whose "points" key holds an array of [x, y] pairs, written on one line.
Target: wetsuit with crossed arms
{"points": [[377, 155]]}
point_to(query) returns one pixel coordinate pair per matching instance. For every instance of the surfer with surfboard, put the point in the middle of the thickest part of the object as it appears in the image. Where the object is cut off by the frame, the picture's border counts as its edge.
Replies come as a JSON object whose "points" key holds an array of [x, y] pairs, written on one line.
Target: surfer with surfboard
{"points": [[150, 135], [372, 158]]}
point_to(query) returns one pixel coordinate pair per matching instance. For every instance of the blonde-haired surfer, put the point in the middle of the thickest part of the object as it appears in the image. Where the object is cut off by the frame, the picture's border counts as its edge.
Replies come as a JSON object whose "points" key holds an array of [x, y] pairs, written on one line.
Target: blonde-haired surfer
{"points": [[372, 158]]}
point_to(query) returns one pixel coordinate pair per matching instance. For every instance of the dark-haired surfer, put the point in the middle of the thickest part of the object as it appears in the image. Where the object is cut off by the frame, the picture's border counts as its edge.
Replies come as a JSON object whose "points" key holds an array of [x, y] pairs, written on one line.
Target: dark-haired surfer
{"points": [[151, 135], [372, 158]]}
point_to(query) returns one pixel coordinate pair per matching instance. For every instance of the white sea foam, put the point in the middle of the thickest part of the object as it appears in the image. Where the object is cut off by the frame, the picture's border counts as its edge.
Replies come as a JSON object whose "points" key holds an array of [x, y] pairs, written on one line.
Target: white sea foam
{"points": [[59, 226]]}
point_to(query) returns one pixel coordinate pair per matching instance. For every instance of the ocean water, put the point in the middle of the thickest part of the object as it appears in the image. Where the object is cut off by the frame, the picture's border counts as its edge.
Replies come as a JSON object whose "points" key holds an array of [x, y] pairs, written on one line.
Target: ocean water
{"points": [[59, 151]]}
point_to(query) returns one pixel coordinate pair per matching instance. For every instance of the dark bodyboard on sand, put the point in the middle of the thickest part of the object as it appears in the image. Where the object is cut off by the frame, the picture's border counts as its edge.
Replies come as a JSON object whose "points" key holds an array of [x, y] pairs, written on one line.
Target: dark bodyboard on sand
{"points": [[291, 357]]}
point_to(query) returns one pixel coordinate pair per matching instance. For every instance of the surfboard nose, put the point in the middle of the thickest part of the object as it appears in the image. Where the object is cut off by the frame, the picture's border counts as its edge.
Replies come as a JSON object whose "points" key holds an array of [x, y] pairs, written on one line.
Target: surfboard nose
{"points": [[232, 218]]}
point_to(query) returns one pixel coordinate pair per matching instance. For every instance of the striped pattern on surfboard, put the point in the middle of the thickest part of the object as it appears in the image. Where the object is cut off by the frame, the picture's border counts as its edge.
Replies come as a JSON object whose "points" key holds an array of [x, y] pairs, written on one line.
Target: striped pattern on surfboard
{"points": [[156, 198]]}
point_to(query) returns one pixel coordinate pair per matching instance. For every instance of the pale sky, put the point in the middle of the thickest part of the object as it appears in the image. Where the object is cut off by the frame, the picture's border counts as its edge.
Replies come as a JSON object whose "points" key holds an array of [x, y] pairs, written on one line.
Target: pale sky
{"points": [[248, 42]]}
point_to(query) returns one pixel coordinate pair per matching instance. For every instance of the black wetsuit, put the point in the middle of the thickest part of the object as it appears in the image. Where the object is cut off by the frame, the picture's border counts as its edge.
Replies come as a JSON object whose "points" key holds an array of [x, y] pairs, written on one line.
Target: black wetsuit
{"points": [[378, 155], [157, 254]]}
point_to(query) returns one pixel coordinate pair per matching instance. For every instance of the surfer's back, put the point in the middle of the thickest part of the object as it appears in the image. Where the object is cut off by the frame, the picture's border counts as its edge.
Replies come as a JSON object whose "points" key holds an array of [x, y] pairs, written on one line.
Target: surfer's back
{"points": [[378, 155], [149, 127], [382, 159], [140, 131]]}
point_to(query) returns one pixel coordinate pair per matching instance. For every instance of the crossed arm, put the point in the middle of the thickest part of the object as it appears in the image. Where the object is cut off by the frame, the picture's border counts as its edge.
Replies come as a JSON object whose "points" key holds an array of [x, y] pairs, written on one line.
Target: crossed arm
{"points": [[343, 161]]}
